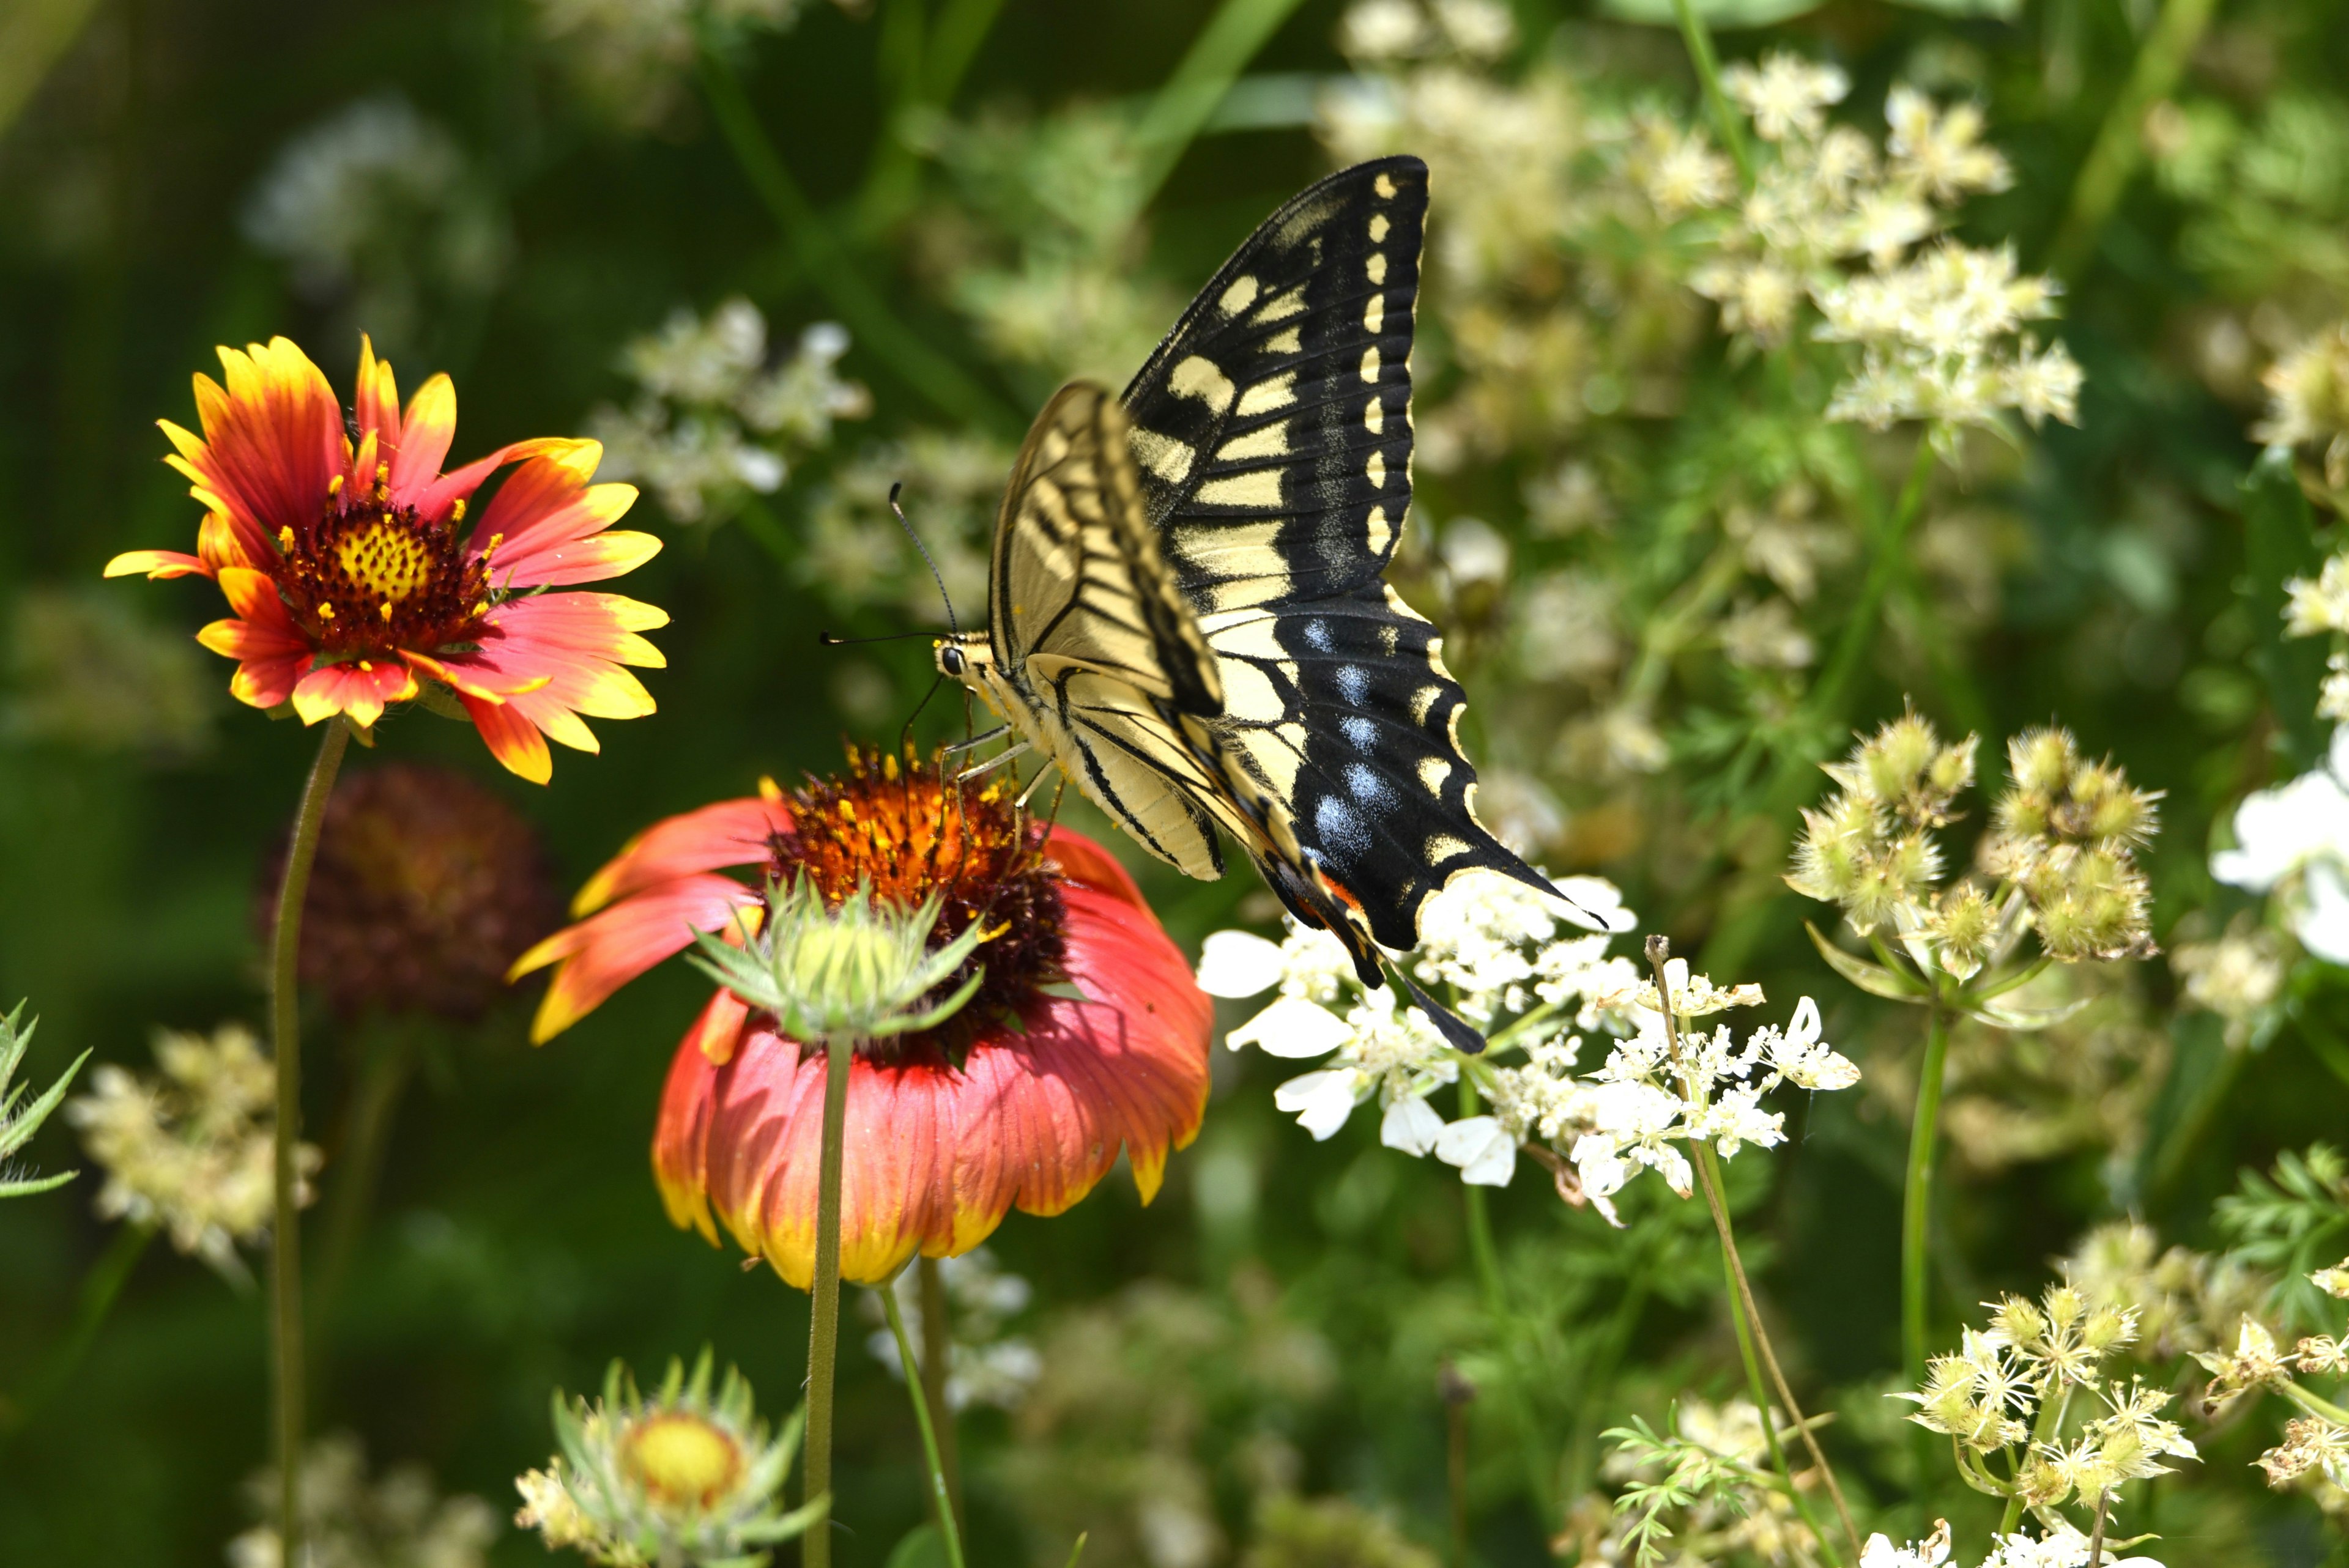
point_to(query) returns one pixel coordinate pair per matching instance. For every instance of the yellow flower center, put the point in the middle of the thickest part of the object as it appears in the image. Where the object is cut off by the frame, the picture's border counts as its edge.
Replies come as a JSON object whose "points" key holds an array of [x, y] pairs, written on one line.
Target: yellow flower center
{"points": [[385, 561], [682, 1461], [370, 576]]}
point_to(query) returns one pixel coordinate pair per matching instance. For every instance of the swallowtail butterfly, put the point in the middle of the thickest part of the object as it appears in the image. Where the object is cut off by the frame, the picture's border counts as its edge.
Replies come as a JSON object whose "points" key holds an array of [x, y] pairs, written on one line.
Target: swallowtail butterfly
{"points": [[1186, 610]]}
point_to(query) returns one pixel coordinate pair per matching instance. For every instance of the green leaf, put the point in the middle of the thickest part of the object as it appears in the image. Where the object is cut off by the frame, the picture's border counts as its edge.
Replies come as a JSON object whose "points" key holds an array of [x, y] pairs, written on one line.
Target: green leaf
{"points": [[1715, 13], [2280, 543], [2024, 1020], [920, 1547], [1873, 978]]}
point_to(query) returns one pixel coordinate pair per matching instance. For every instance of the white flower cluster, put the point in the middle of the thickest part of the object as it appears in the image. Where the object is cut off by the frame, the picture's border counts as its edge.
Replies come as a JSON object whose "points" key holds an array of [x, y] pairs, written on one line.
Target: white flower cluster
{"points": [[631, 56], [350, 1521], [2318, 605], [2065, 1548], [379, 204], [2295, 838], [193, 1150], [713, 420], [1494, 949], [984, 1364], [1381, 32], [1939, 330], [1647, 1100]]}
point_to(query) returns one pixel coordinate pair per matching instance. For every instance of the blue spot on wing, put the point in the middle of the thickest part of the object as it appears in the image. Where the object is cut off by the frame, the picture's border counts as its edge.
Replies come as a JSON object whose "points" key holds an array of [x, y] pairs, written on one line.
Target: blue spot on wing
{"points": [[1316, 634], [1342, 828], [1360, 731], [1353, 683], [1366, 785]]}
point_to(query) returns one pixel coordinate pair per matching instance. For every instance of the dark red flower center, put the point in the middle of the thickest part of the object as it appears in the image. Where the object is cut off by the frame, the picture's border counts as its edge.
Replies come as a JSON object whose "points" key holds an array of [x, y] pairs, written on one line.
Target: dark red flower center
{"points": [[909, 833], [368, 575]]}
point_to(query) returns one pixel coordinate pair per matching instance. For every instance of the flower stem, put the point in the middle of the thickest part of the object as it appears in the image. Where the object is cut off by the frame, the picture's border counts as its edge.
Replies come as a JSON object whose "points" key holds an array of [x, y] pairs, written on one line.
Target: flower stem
{"points": [[101, 1288], [2120, 140], [1487, 1259], [2050, 1421], [359, 1168], [937, 1360], [2097, 1540], [1916, 1196], [916, 1377], [1699, 39], [285, 1044], [1742, 1288], [922, 367], [823, 1317], [1746, 1352]]}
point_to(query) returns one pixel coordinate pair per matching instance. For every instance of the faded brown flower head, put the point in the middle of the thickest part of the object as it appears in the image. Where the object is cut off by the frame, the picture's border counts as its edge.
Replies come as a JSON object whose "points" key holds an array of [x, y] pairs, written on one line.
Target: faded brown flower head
{"points": [[427, 888]]}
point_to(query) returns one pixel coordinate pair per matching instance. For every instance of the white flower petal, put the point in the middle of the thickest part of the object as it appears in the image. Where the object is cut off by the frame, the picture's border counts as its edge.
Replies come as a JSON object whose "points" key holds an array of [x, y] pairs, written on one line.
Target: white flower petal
{"points": [[1292, 1027], [1594, 903], [1239, 964], [1321, 1101], [1411, 1125], [1483, 1149]]}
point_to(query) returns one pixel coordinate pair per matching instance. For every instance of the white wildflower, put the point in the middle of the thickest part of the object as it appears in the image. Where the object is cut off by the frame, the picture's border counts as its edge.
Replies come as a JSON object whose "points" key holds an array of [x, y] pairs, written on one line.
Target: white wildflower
{"points": [[1929, 1552], [985, 1364], [2296, 837], [1787, 95], [2319, 605], [1483, 1149], [192, 1150], [1940, 151]]}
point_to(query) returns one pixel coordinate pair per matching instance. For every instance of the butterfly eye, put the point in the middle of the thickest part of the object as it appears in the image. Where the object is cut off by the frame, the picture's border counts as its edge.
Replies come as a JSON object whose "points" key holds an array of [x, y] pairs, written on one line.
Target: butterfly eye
{"points": [[951, 659]]}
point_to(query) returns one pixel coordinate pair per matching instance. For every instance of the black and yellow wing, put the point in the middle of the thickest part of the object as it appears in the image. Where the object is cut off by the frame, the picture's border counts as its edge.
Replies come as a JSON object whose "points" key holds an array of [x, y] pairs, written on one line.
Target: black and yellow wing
{"points": [[1093, 637], [1272, 433]]}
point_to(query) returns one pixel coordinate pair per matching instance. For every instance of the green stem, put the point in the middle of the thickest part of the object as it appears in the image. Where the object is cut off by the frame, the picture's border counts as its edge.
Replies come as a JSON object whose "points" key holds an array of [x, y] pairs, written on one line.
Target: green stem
{"points": [[100, 1289], [1699, 39], [1192, 93], [1488, 1260], [868, 315], [375, 1102], [1742, 1288], [1753, 1379], [2120, 139], [2043, 1429], [1883, 566], [937, 1360], [1915, 1203], [823, 1316], [285, 1043], [2315, 1405], [2200, 1116], [917, 1375]]}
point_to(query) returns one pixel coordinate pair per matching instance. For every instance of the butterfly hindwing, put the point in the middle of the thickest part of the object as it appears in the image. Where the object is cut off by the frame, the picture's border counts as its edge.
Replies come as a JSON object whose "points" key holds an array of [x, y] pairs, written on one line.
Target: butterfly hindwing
{"points": [[1273, 425]]}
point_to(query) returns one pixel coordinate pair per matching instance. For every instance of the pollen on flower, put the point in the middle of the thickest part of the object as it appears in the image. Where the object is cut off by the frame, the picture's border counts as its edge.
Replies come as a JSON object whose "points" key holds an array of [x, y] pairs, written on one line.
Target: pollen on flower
{"points": [[908, 833], [370, 575]]}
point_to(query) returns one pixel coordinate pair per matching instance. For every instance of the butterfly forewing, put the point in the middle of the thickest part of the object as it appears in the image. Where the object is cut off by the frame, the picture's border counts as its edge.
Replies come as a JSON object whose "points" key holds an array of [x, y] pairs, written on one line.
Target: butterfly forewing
{"points": [[1273, 425], [1094, 638]]}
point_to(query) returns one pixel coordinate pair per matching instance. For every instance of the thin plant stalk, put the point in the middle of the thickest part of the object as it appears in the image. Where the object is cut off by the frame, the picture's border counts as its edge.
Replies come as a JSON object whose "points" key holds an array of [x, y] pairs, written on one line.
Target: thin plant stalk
{"points": [[2120, 139], [1455, 1472], [1488, 1260], [941, 1501], [823, 1316], [100, 1289], [1753, 1379], [285, 1043], [2052, 1405], [1742, 1288], [358, 1170], [937, 1361], [1698, 40], [2096, 1539], [1915, 1194]]}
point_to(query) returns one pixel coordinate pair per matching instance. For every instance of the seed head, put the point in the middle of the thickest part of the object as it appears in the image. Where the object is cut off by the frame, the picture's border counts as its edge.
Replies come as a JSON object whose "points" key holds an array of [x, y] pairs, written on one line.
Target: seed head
{"points": [[864, 971], [680, 1476]]}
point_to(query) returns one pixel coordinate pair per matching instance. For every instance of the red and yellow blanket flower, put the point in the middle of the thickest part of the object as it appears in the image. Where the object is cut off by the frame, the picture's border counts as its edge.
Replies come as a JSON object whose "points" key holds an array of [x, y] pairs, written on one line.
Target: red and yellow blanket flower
{"points": [[356, 583], [1086, 1033]]}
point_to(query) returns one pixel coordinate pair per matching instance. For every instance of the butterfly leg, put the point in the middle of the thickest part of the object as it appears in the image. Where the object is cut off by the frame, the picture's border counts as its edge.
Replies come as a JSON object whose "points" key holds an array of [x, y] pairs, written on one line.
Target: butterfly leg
{"points": [[975, 742], [981, 770], [1033, 785]]}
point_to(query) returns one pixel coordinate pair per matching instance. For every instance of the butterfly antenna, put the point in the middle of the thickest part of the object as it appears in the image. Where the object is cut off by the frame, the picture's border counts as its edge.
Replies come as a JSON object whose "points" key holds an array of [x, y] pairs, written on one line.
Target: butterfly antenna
{"points": [[905, 732], [936, 577]]}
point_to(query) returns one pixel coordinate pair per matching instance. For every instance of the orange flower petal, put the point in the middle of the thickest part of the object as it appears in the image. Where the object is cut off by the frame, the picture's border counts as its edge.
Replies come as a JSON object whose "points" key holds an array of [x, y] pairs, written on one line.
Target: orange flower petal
{"points": [[935, 1158], [362, 689], [241, 639], [730, 833], [607, 950], [156, 563], [272, 438], [425, 437], [265, 682], [512, 739]]}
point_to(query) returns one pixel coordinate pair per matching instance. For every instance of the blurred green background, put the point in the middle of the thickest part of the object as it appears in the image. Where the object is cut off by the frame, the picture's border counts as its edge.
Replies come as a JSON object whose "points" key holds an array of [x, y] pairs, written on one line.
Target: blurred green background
{"points": [[542, 196]]}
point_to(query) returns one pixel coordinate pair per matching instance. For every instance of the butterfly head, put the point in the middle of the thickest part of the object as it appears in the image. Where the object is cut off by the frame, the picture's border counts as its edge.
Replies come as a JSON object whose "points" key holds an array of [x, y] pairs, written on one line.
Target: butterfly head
{"points": [[967, 657]]}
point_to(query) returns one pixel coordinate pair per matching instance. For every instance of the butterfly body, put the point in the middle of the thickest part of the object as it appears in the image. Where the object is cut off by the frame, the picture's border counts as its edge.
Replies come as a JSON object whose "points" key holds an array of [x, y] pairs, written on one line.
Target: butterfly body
{"points": [[1187, 610]]}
